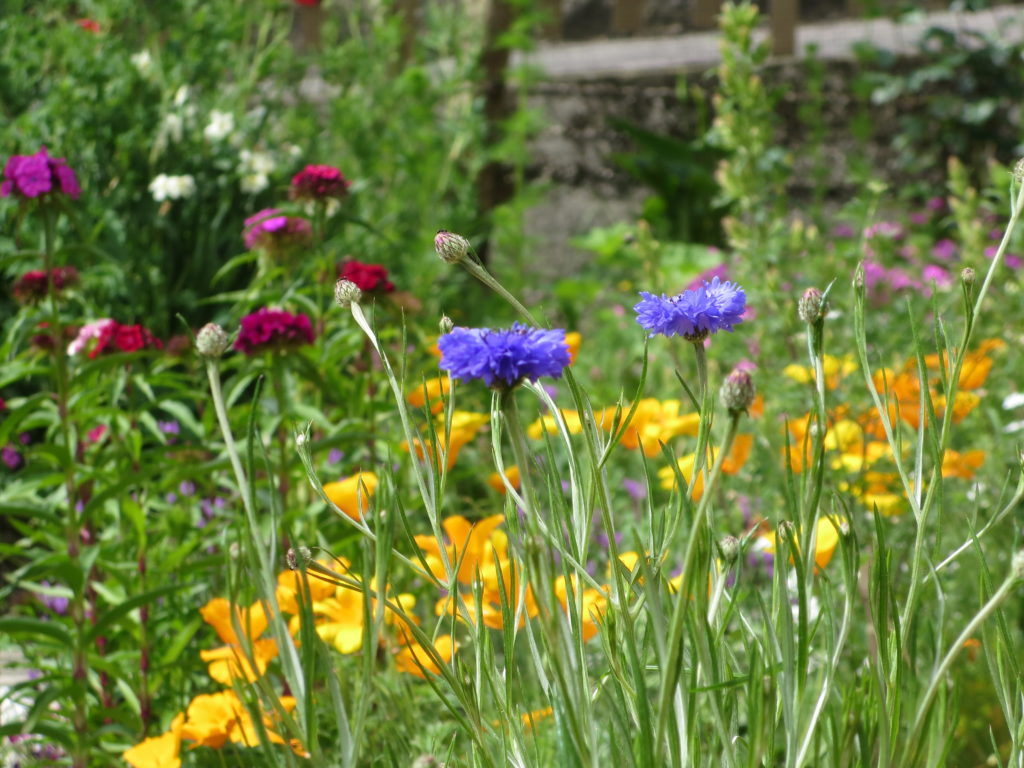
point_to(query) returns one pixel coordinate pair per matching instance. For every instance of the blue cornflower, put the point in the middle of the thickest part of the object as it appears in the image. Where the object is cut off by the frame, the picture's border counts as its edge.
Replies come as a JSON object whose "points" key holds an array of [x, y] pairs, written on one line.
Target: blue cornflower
{"points": [[503, 358], [694, 314]]}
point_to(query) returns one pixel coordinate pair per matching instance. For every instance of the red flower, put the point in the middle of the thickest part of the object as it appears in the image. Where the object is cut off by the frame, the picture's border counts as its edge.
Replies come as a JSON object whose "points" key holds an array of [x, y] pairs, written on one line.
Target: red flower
{"points": [[307, 2], [319, 182], [115, 337], [89, 25], [273, 329], [368, 277]]}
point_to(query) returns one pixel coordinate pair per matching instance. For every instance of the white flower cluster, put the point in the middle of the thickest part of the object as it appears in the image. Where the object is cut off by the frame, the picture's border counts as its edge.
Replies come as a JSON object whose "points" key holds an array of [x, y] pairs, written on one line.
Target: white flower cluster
{"points": [[142, 61], [220, 126], [165, 187], [255, 169]]}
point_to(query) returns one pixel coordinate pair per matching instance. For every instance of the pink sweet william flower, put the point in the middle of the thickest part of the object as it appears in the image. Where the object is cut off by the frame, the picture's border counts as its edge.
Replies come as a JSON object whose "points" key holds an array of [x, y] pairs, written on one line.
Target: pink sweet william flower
{"points": [[87, 333], [271, 230], [270, 329], [31, 176], [319, 182]]}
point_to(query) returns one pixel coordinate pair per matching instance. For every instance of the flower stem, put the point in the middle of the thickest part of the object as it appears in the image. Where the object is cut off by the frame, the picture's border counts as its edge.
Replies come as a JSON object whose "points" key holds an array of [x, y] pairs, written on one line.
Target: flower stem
{"points": [[79, 660]]}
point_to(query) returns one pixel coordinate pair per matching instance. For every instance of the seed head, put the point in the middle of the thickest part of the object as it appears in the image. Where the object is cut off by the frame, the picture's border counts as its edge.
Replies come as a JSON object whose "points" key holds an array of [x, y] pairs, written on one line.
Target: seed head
{"points": [[212, 341], [347, 293]]}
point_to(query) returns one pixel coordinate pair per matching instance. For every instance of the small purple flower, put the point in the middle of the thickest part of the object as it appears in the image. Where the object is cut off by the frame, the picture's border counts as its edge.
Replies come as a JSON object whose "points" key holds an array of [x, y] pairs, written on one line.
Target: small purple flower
{"points": [[637, 491], [335, 455], [919, 218], [169, 427], [10, 456], [694, 315], [933, 273], [505, 357], [56, 603], [31, 176], [186, 488], [171, 498], [272, 230], [944, 250], [936, 204], [844, 231]]}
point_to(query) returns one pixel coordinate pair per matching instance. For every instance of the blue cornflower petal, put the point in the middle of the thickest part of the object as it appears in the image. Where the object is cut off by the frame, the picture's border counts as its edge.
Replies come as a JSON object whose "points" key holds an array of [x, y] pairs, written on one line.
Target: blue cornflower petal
{"points": [[503, 358], [693, 314]]}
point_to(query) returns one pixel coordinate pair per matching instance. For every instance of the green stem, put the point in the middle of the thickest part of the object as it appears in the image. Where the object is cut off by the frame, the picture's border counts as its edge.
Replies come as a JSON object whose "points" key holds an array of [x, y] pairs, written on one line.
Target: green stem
{"points": [[80, 659], [954, 650], [670, 681], [277, 380]]}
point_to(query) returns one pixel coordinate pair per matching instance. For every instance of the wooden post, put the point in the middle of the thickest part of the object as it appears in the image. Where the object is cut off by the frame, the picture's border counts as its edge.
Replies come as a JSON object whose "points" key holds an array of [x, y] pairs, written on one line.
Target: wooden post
{"points": [[628, 16], [407, 9], [553, 27], [494, 184], [705, 13], [306, 28], [783, 24]]}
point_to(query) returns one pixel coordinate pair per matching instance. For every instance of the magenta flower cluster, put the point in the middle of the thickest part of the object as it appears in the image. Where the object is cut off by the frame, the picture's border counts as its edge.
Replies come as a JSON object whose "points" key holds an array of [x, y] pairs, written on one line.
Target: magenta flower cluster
{"points": [[273, 329], [272, 230], [319, 182], [31, 176]]}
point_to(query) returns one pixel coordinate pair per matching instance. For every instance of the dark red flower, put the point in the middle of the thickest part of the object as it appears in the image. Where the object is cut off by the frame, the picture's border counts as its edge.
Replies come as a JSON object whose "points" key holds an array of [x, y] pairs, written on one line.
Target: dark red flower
{"points": [[31, 286], [89, 25], [319, 182], [307, 2], [273, 329], [368, 277], [44, 338]]}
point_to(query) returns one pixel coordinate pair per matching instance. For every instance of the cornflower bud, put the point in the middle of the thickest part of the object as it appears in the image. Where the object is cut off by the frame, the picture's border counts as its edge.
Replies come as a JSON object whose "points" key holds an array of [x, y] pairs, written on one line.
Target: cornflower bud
{"points": [[1018, 171], [967, 276], [812, 306], [446, 325], [452, 248], [212, 341], [729, 547], [347, 293], [737, 392], [298, 557], [858, 277]]}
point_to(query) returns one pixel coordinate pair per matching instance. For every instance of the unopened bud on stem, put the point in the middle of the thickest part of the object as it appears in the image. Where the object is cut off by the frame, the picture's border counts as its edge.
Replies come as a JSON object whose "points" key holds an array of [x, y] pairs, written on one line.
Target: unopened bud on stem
{"points": [[446, 325], [212, 341], [812, 306], [347, 293], [729, 547], [737, 391], [452, 248]]}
